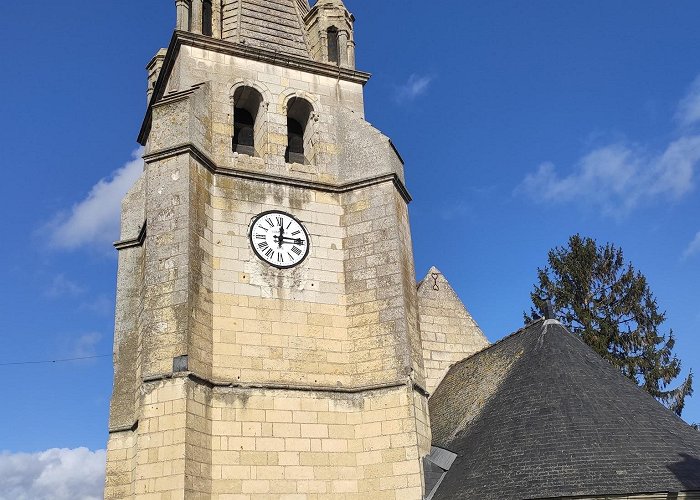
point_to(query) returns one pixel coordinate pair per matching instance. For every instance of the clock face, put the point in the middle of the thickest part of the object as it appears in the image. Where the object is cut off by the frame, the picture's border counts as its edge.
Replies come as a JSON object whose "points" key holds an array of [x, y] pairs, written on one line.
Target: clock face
{"points": [[279, 239]]}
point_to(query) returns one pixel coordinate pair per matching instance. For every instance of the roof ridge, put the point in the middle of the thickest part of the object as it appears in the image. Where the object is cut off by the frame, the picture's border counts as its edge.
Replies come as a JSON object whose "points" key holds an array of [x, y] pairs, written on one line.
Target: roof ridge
{"points": [[499, 342]]}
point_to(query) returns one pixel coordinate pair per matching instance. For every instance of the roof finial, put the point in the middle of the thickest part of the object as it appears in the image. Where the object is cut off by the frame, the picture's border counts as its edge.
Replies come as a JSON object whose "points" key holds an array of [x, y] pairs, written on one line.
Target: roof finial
{"points": [[549, 310]]}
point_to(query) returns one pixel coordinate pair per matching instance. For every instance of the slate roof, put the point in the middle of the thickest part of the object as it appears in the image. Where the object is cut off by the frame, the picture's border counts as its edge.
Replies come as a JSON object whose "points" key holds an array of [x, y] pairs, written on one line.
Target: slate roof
{"points": [[269, 24], [540, 415]]}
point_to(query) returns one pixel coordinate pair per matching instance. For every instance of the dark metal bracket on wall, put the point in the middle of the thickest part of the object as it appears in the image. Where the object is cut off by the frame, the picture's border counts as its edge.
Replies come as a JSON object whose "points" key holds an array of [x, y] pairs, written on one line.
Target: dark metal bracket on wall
{"points": [[133, 242]]}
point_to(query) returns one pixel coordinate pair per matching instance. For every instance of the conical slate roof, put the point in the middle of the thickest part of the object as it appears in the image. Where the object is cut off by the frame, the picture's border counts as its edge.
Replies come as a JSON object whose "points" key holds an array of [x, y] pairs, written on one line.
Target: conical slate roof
{"points": [[275, 25], [541, 415]]}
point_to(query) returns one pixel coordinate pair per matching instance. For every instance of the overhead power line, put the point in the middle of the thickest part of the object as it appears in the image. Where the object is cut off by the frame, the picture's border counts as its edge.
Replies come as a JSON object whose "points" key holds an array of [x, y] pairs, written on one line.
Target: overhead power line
{"points": [[50, 361]]}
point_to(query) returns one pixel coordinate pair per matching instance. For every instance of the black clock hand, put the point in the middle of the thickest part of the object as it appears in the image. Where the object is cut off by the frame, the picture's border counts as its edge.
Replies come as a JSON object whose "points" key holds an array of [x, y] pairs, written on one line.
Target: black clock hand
{"points": [[281, 236], [286, 239]]}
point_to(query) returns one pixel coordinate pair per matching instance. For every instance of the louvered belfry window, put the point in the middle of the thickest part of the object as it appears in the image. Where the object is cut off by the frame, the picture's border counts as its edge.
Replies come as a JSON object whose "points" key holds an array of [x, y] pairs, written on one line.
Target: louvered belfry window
{"points": [[295, 136], [243, 132], [247, 121]]}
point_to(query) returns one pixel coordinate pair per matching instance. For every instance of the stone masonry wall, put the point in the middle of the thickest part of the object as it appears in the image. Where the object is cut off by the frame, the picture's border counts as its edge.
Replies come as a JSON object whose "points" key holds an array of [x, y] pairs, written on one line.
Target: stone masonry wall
{"points": [[270, 325], [301, 384], [313, 445], [449, 333], [381, 310]]}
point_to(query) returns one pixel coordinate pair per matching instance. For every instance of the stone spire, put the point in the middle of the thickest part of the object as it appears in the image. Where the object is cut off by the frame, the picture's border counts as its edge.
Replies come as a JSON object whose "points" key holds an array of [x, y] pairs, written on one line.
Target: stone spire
{"points": [[276, 25]]}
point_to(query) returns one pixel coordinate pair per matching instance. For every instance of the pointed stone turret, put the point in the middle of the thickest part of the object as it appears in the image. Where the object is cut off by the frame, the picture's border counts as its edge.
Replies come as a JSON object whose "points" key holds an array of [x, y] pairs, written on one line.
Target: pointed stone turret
{"points": [[330, 28], [449, 333]]}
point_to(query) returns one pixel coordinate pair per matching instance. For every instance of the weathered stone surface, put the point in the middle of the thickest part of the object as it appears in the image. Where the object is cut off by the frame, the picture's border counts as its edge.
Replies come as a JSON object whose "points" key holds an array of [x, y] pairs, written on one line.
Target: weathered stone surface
{"points": [[333, 15], [270, 24], [448, 332], [301, 383]]}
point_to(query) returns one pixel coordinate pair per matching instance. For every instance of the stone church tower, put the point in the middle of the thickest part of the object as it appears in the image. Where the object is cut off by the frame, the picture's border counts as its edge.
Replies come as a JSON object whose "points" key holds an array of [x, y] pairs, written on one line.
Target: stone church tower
{"points": [[268, 327]]}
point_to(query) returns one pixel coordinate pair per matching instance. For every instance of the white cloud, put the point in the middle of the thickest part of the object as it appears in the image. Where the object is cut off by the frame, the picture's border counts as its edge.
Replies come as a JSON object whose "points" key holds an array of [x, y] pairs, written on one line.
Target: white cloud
{"points": [[458, 209], [693, 247], [415, 86], [56, 474], [95, 220], [86, 345], [62, 287], [100, 305], [619, 177], [688, 112]]}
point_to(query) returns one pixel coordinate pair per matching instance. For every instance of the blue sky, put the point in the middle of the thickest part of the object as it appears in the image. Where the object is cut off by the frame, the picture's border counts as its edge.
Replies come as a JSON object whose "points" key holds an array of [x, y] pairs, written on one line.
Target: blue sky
{"points": [[520, 122]]}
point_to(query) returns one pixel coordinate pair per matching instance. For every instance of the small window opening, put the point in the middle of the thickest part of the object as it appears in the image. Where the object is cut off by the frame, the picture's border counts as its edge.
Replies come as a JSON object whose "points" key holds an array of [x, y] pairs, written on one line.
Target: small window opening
{"points": [[243, 132], [299, 136], [207, 18], [295, 149], [333, 49]]}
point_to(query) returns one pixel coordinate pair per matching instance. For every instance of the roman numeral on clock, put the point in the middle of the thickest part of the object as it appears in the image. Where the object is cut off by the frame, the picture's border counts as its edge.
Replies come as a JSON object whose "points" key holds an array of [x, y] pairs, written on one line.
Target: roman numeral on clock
{"points": [[263, 245], [296, 250]]}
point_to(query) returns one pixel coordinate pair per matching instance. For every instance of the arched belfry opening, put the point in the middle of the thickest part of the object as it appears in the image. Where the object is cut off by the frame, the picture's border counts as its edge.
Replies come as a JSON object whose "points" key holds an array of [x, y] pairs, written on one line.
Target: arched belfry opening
{"points": [[247, 122], [299, 133]]}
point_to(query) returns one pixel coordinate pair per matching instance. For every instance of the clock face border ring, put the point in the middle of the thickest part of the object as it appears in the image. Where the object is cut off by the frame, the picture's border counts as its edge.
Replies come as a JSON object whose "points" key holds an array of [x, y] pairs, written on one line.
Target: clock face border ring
{"points": [[254, 221]]}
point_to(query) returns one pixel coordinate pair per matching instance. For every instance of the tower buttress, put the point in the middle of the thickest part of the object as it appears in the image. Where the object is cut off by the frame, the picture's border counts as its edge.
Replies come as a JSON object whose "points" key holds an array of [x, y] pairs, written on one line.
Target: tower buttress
{"points": [[153, 68]]}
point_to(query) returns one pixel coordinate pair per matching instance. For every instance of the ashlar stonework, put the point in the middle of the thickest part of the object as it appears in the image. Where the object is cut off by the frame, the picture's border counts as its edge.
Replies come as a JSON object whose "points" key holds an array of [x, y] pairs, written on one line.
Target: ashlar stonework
{"points": [[238, 380]]}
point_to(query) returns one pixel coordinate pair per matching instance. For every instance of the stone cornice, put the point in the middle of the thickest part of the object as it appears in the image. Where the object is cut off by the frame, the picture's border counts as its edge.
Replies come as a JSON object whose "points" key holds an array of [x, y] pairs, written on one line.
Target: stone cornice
{"points": [[125, 428], [133, 242], [271, 57], [189, 39], [212, 384], [204, 160], [288, 387]]}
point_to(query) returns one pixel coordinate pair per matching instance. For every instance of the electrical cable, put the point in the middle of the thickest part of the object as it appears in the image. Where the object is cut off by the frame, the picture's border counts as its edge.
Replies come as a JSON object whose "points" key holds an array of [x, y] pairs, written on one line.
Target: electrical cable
{"points": [[65, 360]]}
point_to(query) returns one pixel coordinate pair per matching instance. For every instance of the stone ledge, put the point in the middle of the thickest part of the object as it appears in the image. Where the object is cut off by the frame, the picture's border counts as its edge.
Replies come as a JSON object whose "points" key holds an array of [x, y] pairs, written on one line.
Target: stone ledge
{"points": [[127, 428], [287, 387], [212, 384], [197, 154]]}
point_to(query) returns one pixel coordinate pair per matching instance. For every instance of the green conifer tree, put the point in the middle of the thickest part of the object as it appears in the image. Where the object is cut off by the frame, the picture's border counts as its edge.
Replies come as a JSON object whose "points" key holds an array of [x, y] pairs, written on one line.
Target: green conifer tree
{"points": [[609, 305]]}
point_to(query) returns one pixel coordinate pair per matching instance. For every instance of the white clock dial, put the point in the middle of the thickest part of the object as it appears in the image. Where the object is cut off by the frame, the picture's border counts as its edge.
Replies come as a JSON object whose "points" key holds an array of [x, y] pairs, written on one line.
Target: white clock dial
{"points": [[279, 239]]}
